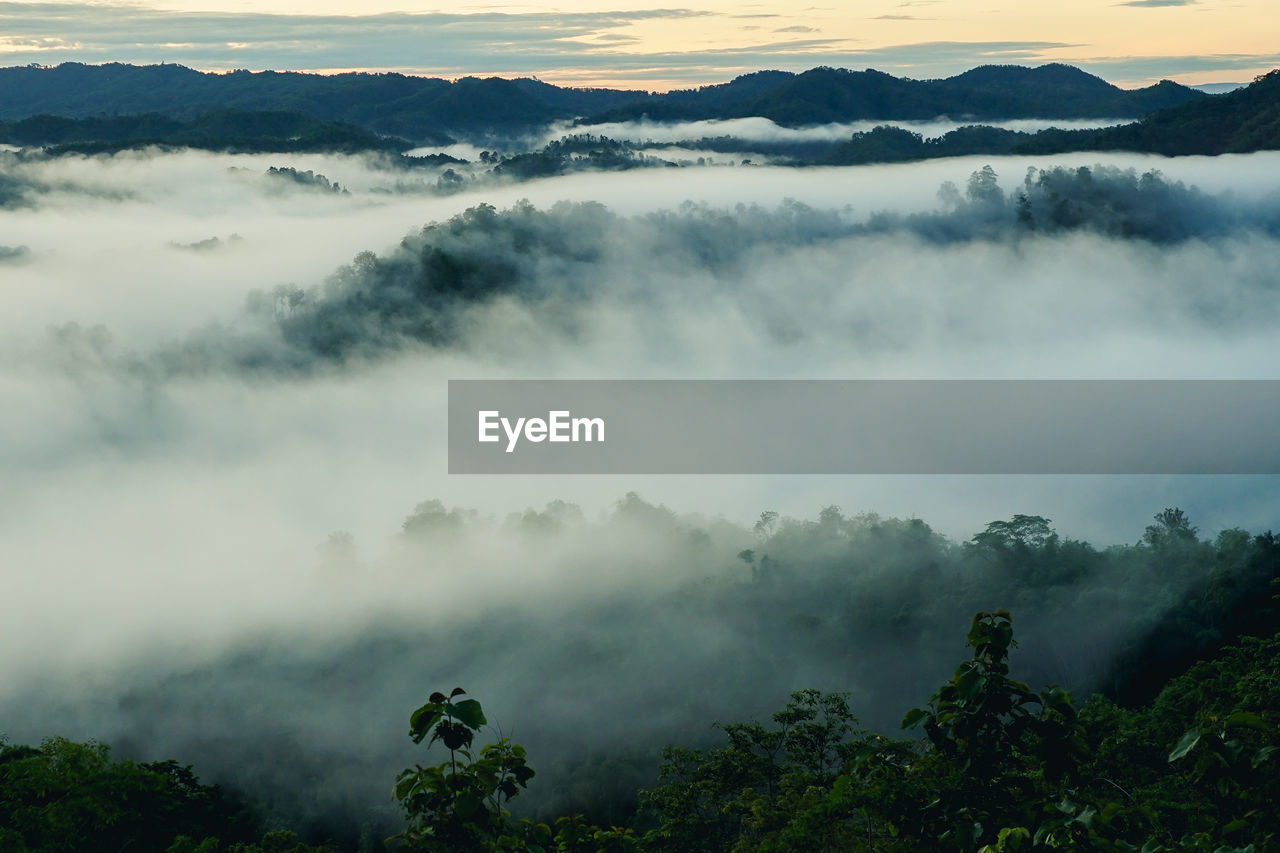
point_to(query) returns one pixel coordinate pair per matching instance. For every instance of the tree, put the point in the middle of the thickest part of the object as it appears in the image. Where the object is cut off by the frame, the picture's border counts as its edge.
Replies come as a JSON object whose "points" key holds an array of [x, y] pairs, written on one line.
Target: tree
{"points": [[743, 795], [459, 804], [983, 188], [1172, 527], [70, 796], [990, 734]]}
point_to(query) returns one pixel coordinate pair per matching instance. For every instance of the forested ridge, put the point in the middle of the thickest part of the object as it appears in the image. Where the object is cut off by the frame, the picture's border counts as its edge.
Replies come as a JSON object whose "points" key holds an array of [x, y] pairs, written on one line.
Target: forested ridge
{"points": [[223, 130], [822, 95], [426, 109], [245, 112], [1175, 752], [1247, 119]]}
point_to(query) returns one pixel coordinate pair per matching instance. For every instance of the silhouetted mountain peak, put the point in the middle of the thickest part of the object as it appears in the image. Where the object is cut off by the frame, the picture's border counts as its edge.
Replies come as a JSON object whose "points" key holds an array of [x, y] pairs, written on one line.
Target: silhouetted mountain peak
{"points": [[1054, 74]]}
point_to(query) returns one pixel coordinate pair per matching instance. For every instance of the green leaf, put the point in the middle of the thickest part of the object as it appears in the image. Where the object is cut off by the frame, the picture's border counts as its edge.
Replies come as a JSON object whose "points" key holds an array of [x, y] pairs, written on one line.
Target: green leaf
{"points": [[1085, 818], [1011, 837], [469, 713], [1188, 743], [405, 784], [1263, 754], [913, 718], [969, 684], [1246, 718], [422, 720]]}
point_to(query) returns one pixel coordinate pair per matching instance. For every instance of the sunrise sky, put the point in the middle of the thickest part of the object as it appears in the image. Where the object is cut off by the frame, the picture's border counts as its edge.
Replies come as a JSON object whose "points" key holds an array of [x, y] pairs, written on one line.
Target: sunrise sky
{"points": [[672, 44]]}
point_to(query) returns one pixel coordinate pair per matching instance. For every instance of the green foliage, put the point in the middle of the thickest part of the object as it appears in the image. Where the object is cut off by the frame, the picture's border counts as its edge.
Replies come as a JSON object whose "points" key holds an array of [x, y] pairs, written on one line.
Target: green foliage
{"points": [[459, 804], [1001, 769], [1202, 754], [1000, 753], [69, 796], [743, 795], [1189, 766]]}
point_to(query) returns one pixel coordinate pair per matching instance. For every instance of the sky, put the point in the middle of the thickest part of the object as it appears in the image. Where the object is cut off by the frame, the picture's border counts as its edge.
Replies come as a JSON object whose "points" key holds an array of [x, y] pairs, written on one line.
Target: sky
{"points": [[671, 44]]}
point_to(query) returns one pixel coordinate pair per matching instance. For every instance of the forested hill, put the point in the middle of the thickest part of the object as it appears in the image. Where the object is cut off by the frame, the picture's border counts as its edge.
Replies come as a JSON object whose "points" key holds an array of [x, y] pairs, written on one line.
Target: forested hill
{"points": [[1244, 120], [1247, 119], [427, 109], [422, 109], [823, 95], [224, 130]]}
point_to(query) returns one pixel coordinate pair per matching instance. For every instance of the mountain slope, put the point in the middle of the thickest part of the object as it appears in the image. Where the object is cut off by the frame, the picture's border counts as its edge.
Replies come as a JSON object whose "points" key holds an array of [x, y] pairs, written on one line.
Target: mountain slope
{"points": [[1245, 119], [823, 95]]}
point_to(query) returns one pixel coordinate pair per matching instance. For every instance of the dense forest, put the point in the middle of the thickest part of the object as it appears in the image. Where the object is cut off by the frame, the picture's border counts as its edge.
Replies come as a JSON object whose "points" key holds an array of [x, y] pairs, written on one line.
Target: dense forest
{"points": [[1241, 121], [560, 262], [225, 130], [1247, 119], [424, 290], [1175, 751]]}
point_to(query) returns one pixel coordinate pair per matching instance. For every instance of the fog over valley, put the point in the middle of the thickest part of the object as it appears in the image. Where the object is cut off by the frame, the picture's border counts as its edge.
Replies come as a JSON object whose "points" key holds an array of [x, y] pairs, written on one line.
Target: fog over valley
{"points": [[229, 533]]}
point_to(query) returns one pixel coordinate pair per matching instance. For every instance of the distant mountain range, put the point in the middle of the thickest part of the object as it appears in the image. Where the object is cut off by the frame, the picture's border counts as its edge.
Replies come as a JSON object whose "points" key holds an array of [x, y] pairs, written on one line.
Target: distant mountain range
{"points": [[1217, 88], [431, 110], [109, 107], [1242, 120], [991, 92]]}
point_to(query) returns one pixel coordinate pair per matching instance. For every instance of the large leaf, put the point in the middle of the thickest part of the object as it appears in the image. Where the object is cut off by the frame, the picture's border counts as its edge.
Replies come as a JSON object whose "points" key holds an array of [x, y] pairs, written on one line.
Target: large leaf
{"points": [[969, 684], [469, 713], [913, 718], [1246, 718], [1188, 743], [422, 720], [405, 784]]}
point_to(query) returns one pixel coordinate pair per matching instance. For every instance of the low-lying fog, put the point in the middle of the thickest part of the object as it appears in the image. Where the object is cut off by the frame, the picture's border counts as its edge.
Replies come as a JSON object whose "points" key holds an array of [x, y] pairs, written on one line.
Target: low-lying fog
{"points": [[758, 129], [175, 457]]}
